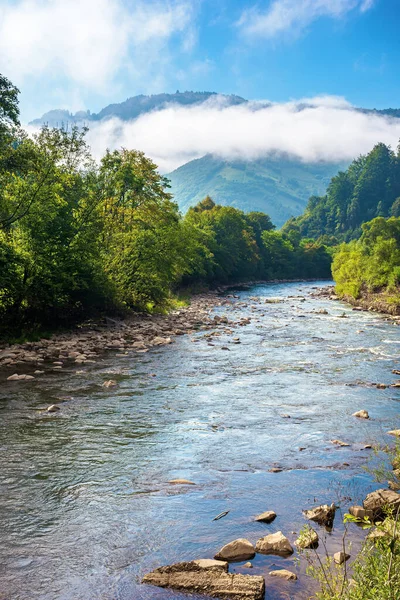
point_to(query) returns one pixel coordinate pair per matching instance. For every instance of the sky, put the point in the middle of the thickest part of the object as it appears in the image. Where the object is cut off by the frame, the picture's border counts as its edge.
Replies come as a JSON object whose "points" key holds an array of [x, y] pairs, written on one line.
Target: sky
{"points": [[85, 54]]}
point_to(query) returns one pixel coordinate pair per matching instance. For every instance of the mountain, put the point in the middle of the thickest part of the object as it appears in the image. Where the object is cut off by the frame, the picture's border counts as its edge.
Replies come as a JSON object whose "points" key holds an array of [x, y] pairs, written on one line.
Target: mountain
{"points": [[279, 187], [132, 108]]}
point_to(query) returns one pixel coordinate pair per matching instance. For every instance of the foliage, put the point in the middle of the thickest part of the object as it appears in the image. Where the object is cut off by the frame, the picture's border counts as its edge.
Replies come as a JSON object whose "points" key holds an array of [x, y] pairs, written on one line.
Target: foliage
{"points": [[371, 263], [78, 237], [369, 188]]}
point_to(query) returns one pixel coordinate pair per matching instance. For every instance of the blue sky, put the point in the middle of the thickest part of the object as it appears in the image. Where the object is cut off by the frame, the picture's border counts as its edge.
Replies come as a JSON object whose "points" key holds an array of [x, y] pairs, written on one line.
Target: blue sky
{"points": [[80, 54]]}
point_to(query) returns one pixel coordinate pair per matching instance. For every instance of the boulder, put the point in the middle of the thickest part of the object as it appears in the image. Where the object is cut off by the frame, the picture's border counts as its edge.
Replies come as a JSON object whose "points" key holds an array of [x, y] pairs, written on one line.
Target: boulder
{"points": [[378, 501], [275, 543], [248, 565], [323, 515], [340, 557], [361, 414], [307, 539], [209, 578], [284, 574], [240, 549], [266, 517], [360, 513]]}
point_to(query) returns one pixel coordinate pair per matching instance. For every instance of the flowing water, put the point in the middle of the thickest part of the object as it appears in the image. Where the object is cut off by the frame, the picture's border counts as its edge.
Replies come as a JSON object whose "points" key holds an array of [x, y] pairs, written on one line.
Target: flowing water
{"points": [[86, 509]]}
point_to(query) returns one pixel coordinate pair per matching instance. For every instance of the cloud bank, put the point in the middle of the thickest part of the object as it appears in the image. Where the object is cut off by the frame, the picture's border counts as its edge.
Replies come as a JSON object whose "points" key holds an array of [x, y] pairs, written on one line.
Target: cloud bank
{"points": [[295, 15], [324, 128]]}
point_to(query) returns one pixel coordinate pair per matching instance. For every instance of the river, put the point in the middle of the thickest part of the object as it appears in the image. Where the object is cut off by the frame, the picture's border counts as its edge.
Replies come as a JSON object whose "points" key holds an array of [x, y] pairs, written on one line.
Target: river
{"points": [[86, 509]]}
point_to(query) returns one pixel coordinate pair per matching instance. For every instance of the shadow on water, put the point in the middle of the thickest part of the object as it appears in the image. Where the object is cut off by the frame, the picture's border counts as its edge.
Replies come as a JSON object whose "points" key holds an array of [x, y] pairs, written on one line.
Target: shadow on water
{"points": [[86, 506]]}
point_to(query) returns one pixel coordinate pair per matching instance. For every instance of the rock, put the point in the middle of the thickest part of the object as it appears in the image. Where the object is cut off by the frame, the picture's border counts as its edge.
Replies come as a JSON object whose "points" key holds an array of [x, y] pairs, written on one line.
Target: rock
{"points": [[266, 517], [275, 543], [110, 383], [322, 311], [275, 470], [17, 377], [307, 539], [53, 408], [248, 565], [394, 486], [395, 432], [378, 501], [181, 482], [360, 513], [381, 386], [323, 515], [284, 574], [339, 443], [37, 372], [340, 557], [240, 549], [361, 414], [209, 578]]}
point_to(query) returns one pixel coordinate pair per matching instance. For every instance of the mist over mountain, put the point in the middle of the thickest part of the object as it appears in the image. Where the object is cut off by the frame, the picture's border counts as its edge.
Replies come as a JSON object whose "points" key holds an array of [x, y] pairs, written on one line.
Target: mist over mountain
{"points": [[251, 155], [133, 107]]}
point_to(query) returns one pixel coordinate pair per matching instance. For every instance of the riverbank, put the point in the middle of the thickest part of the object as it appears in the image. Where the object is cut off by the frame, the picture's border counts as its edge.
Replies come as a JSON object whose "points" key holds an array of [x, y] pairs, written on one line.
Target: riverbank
{"points": [[138, 332], [379, 302]]}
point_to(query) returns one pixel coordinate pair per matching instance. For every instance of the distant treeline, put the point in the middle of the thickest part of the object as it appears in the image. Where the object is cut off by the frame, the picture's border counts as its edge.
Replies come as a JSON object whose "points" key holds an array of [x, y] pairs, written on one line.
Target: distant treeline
{"points": [[77, 237], [369, 188]]}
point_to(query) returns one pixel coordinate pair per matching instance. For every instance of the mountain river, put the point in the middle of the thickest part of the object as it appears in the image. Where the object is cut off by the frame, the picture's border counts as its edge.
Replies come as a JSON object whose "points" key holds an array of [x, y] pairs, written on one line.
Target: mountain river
{"points": [[86, 508]]}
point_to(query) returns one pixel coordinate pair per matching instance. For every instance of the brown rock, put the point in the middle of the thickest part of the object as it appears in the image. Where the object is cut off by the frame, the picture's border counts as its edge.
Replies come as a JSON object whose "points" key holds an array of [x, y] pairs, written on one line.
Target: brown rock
{"points": [[340, 557], [361, 414], [284, 574], [307, 539], [53, 408], [381, 386], [339, 443], [266, 517], [275, 543], [360, 513], [378, 501], [110, 383], [395, 432], [240, 549], [209, 578], [323, 514]]}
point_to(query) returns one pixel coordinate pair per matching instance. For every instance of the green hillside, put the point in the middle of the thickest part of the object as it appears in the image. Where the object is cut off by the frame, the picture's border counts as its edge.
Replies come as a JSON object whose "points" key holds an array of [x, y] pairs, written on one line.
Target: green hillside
{"points": [[278, 187]]}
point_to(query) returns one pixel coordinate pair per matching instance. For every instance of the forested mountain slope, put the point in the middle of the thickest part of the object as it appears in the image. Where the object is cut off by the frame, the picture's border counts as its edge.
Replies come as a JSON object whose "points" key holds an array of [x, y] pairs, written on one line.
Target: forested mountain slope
{"points": [[279, 187], [369, 188]]}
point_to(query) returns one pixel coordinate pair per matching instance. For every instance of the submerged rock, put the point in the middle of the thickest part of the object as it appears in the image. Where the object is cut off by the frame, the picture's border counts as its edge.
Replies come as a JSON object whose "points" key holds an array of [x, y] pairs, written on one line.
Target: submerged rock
{"points": [[240, 549], [181, 482], [266, 517], [17, 377], [323, 515], [284, 574], [395, 432], [339, 443], [361, 414], [275, 543], [53, 408], [209, 578], [110, 383]]}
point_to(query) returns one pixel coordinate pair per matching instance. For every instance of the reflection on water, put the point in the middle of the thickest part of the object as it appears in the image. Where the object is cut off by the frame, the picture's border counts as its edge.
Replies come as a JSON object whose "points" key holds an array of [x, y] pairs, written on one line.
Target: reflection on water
{"points": [[86, 507]]}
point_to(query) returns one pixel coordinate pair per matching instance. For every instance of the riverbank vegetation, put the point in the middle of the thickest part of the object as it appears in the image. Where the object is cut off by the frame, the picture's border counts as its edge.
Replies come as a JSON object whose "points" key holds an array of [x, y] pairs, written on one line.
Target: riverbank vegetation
{"points": [[369, 268], [79, 237]]}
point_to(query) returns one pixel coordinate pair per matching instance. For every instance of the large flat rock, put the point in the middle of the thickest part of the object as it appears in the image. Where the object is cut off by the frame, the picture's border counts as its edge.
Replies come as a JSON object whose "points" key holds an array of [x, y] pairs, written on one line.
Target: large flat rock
{"points": [[209, 578]]}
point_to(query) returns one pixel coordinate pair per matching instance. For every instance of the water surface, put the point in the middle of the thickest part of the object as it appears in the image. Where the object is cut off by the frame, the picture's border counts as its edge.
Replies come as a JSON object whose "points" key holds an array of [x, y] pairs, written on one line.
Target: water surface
{"points": [[86, 508]]}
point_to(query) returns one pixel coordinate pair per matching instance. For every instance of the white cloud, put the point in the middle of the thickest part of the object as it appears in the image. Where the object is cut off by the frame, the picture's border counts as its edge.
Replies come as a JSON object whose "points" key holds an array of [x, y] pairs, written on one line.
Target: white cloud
{"points": [[294, 15], [85, 41], [325, 128]]}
